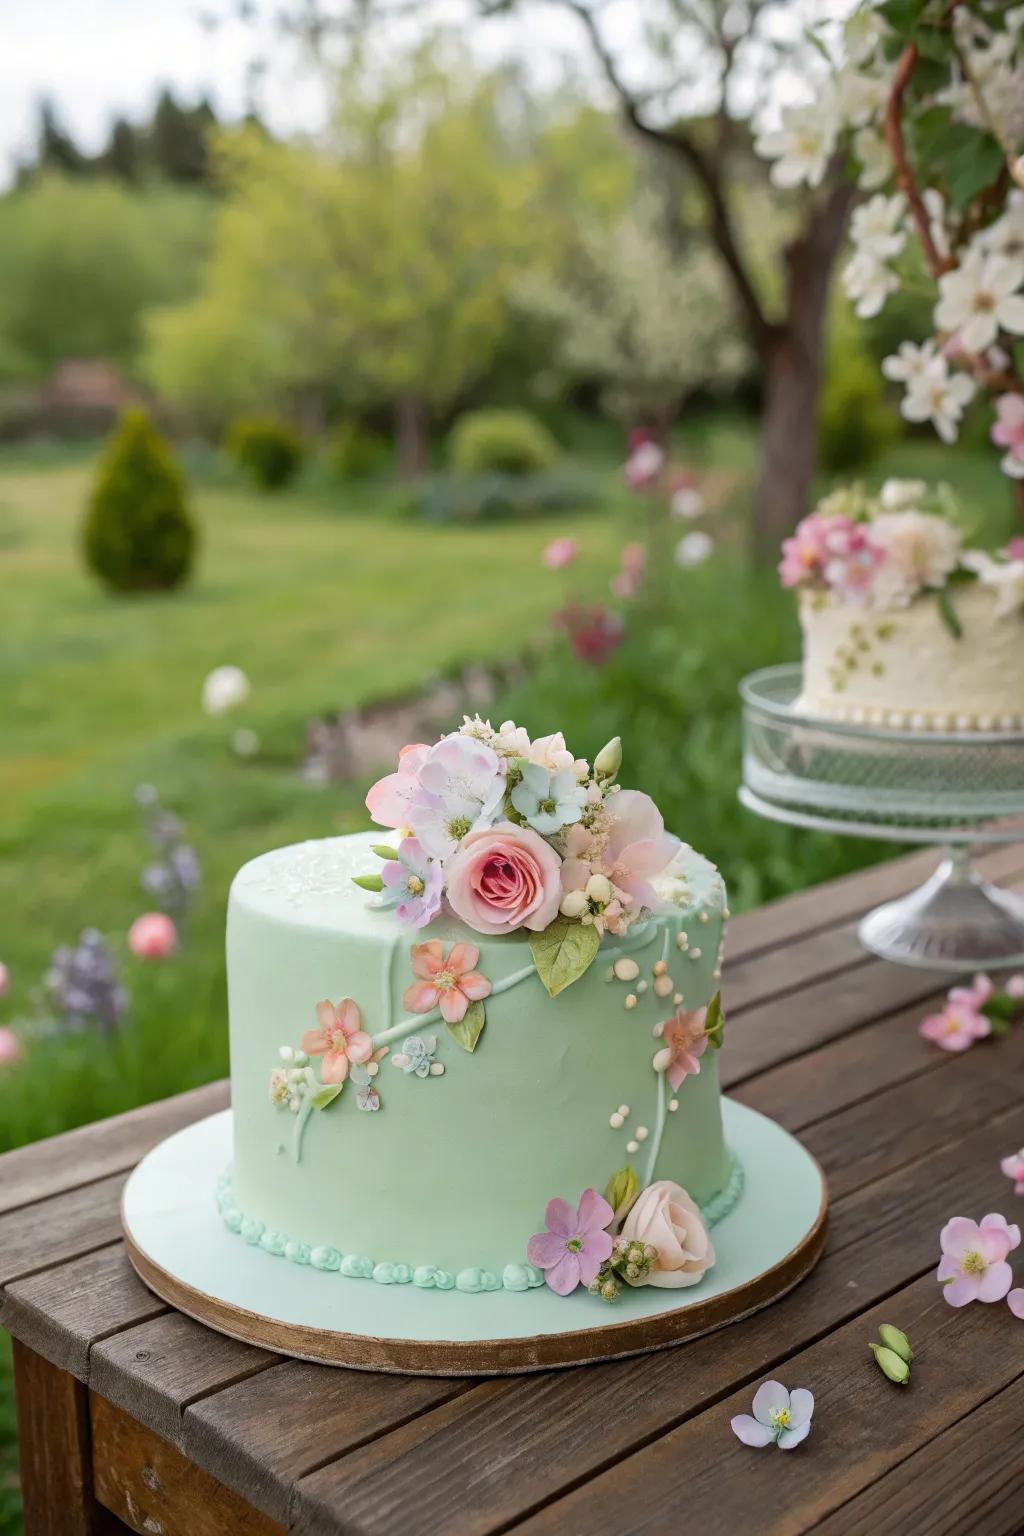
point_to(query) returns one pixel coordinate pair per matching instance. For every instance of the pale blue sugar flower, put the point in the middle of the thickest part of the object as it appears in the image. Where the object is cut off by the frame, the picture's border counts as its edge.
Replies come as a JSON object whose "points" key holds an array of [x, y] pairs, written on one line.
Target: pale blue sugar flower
{"points": [[548, 801], [779, 1415]]}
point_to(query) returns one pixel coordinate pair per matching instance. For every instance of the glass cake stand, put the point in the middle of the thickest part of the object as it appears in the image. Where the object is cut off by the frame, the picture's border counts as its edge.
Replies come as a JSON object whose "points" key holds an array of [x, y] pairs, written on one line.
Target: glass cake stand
{"points": [[952, 789]]}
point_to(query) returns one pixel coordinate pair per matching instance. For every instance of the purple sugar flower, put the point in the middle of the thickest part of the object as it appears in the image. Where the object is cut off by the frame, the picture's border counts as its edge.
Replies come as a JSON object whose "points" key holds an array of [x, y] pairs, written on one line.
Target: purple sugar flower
{"points": [[575, 1245], [413, 884]]}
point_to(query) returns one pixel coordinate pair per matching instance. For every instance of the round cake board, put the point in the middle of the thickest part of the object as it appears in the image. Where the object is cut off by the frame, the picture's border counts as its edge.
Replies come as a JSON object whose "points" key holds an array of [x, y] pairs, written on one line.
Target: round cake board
{"points": [[181, 1248]]}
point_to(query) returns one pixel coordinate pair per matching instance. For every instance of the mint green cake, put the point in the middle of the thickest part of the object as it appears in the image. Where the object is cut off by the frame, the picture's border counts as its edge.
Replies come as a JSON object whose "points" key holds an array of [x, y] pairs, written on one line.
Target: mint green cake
{"points": [[423, 1126]]}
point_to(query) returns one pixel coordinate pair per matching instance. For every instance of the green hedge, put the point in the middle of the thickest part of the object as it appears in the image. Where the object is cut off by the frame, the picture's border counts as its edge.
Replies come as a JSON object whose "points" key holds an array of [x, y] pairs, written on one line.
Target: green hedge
{"points": [[138, 534]]}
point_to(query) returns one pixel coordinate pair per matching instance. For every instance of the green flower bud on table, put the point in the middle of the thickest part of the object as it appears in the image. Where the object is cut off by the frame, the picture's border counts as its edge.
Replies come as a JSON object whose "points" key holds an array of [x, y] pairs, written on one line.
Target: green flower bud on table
{"points": [[896, 1340], [890, 1364]]}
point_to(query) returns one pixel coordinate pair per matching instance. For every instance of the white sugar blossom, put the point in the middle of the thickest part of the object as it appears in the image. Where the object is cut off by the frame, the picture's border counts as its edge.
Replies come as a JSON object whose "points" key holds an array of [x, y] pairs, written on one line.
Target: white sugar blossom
{"points": [[868, 282], [912, 363], [693, 549], [902, 495], [863, 34], [876, 227], [224, 689], [979, 297], [941, 398], [861, 95], [1006, 236], [1005, 577], [920, 549], [935, 205], [802, 146], [873, 155]]}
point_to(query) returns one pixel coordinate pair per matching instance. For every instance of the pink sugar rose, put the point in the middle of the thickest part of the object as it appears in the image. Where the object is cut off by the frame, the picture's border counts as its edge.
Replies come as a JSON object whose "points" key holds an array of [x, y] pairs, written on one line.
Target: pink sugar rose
{"points": [[153, 936], [576, 1243], [389, 802], [973, 1266], [666, 1217], [341, 1039], [504, 877], [450, 983], [560, 553]]}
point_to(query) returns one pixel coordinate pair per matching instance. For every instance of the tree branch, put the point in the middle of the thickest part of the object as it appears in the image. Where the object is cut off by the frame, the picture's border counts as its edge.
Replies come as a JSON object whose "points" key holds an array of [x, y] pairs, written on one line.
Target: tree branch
{"points": [[905, 178]]}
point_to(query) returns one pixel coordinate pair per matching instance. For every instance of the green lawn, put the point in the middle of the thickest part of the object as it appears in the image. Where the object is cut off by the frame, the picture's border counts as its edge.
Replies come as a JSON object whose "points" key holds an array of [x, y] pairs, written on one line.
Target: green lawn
{"points": [[327, 599]]}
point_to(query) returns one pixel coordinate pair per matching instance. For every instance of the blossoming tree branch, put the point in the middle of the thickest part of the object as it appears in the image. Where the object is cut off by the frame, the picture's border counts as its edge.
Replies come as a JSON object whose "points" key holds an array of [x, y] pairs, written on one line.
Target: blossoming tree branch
{"points": [[927, 97]]}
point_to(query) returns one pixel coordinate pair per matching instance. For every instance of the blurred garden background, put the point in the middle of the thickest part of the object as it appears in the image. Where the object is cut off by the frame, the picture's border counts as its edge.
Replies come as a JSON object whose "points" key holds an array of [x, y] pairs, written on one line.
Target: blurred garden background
{"points": [[473, 393]]}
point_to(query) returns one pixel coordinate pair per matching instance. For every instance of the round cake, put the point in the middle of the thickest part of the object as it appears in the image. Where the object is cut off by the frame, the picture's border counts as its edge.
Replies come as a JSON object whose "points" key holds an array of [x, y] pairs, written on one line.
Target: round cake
{"points": [[423, 1099], [903, 626]]}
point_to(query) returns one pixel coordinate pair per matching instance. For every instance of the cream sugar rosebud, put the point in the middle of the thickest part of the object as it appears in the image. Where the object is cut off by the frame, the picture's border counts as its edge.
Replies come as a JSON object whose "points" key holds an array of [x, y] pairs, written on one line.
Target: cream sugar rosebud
{"points": [[609, 760]]}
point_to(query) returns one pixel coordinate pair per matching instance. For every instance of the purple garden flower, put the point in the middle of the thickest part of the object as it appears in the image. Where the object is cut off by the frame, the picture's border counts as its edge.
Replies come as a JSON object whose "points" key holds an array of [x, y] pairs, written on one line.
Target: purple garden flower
{"points": [[412, 884], [575, 1245]]}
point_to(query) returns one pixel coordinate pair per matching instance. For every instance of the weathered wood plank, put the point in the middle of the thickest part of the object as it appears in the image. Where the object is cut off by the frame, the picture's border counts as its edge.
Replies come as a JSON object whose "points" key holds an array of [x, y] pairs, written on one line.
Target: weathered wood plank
{"points": [[94, 1151], [60, 1228], [262, 1434], [155, 1370], [508, 1446], [53, 1446], [863, 1428], [61, 1312], [153, 1488], [970, 1478]]}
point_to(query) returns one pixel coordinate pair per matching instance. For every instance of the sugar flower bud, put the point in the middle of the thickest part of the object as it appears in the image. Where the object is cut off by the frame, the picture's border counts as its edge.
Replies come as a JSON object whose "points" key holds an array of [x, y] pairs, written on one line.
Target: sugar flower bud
{"points": [[609, 760], [574, 904], [896, 1340], [599, 889], [890, 1364]]}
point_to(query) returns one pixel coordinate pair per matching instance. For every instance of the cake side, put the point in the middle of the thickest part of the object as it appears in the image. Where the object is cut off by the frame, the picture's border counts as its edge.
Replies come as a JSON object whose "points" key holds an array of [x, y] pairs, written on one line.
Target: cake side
{"points": [[442, 1163]]}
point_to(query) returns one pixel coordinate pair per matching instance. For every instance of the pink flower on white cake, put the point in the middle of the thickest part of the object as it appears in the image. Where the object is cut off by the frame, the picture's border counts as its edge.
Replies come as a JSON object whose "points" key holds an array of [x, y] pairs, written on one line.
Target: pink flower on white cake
{"points": [[461, 787], [665, 1217], [804, 555], [853, 561], [389, 802], [449, 983], [341, 1039], [920, 551], [504, 877]]}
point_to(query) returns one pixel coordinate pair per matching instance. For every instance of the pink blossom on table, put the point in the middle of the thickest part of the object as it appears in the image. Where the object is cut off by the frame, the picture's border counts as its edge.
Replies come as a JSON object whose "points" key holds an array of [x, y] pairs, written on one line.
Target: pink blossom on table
{"points": [[779, 1416], [449, 983], [1008, 432], [1014, 985], [414, 884], [10, 1047], [575, 1244], [853, 559], [665, 1216], [976, 995], [341, 1039], [1015, 1302], [461, 787], [153, 936], [805, 553], [684, 1037], [957, 1027], [390, 800], [5, 979], [973, 1266], [1013, 1167], [560, 553], [634, 849], [504, 877]]}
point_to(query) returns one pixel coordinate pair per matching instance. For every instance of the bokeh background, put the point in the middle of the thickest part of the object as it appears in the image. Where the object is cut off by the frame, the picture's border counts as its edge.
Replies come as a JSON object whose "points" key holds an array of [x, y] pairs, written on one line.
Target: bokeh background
{"points": [[318, 326]]}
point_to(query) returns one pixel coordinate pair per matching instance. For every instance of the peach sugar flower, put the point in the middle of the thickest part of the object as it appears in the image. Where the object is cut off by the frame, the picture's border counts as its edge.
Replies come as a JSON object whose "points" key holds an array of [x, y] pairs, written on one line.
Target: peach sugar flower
{"points": [[450, 984], [341, 1039]]}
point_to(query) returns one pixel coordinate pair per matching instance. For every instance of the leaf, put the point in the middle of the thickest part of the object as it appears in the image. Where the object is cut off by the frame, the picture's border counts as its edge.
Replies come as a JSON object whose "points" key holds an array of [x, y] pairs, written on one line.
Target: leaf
{"points": [[947, 613], [324, 1094], [563, 952], [623, 1188], [470, 1027], [973, 162], [714, 1022]]}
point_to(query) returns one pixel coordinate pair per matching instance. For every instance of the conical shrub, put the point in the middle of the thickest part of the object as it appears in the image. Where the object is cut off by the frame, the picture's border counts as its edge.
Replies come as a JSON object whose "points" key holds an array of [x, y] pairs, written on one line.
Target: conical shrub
{"points": [[138, 534]]}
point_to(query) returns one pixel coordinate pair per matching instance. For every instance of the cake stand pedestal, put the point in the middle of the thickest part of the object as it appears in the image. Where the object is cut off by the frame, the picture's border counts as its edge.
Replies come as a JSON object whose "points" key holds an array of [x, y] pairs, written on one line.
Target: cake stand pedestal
{"points": [[181, 1248], [953, 789]]}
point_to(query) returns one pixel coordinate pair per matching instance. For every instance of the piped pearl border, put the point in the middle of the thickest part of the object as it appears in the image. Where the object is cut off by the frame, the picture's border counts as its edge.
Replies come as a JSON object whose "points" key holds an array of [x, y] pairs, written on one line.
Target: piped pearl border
{"points": [[429, 1277], [910, 719]]}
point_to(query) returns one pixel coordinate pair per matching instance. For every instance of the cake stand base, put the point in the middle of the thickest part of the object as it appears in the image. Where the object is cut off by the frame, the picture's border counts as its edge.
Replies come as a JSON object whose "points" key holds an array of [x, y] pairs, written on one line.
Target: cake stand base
{"points": [[181, 1248], [956, 921]]}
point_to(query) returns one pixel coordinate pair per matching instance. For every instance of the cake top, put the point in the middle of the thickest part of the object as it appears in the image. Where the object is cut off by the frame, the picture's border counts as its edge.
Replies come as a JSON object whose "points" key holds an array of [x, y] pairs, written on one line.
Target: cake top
{"points": [[883, 552]]}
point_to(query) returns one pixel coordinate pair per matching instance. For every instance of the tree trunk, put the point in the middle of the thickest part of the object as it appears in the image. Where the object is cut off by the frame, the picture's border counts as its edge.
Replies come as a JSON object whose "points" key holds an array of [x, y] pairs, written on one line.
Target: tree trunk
{"points": [[411, 436], [792, 362]]}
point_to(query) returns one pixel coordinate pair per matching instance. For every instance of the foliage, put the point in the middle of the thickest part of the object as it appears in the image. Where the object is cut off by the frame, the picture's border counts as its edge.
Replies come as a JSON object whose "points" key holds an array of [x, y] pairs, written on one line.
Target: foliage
{"points": [[173, 145], [506, 441], [356, 451], [856, 423], [269, 451], [647, 319], [80, 262], [500, 497], [138, 534]]}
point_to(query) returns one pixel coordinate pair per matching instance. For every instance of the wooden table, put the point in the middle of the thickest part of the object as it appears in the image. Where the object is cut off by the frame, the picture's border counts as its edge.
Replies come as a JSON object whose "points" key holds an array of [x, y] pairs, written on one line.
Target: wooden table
{"points": [[132, 1417]]}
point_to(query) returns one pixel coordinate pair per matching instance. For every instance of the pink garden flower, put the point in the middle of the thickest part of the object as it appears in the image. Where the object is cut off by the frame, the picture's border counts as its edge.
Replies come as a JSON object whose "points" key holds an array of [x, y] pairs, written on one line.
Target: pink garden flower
{"points": [[646, 461], [389, 802], [1013, 1167], [627, 580], [686, 1041], [1008, 432], [10, 1047], [973, 1266], [504, 877], [153, 936], [595, 633], [450, 984], [957, 1027], [341, 1039], [560, 553], [576, 1243]]}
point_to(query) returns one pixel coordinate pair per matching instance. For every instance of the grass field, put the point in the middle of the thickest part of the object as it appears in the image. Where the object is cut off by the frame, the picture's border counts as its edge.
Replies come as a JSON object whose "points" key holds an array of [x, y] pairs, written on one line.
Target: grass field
{"points": [[328, 599]]}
